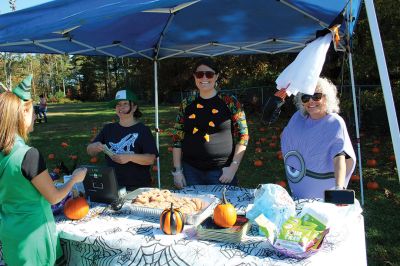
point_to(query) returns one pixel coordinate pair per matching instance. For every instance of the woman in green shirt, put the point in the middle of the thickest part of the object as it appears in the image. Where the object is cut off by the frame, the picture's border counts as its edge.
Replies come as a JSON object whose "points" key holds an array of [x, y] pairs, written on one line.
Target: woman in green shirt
{"points": [[27, 228]]}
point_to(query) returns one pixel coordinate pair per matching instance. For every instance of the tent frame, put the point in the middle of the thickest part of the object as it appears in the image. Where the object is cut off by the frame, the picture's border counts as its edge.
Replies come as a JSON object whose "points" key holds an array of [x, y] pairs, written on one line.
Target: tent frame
{"points": [[250, 47]]}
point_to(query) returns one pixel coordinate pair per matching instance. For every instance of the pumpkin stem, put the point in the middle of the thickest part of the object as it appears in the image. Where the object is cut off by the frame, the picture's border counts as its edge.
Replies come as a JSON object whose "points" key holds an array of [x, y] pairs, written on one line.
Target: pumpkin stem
{"points": [[224, 201]]}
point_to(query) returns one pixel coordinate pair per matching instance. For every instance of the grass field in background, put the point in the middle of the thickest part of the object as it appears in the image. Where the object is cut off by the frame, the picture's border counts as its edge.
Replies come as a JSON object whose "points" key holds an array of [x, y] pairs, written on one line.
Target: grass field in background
{"points": [[76, 124]]}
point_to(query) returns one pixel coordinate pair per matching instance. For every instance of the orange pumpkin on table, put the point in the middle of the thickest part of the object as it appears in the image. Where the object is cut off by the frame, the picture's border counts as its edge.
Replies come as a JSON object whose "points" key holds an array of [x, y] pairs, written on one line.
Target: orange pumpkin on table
{"points": [[225, 213], [76, 208], [171, 221]]}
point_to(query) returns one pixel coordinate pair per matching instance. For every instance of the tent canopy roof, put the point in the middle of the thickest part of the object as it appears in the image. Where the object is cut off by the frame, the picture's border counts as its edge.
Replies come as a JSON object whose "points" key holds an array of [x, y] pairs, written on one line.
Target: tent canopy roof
{"points": [[170, 28]]}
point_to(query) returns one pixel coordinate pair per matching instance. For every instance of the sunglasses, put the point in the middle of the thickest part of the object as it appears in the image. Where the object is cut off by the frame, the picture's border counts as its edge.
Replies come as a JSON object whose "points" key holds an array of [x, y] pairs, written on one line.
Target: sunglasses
{"points": [[201, 74], [316, 97]]}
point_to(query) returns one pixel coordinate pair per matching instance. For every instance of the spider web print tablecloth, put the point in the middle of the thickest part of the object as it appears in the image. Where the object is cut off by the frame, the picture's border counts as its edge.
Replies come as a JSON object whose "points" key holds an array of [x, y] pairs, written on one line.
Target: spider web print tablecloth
{"points": [[121, 238]]}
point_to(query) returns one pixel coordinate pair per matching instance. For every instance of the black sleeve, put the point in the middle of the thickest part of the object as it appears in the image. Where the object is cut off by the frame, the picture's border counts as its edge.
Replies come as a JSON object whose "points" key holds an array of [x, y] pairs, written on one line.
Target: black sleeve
{"points": [[33, 164], [346, 156], [101, 136]]}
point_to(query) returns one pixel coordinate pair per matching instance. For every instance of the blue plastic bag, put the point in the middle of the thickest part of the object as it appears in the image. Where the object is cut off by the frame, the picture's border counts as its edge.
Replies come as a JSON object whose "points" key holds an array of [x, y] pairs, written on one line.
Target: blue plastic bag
{"points": [[274, 202]]}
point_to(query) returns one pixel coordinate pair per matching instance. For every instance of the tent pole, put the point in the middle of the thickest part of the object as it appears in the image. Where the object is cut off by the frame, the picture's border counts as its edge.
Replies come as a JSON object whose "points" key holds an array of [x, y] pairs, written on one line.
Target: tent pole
{"points": [[353, 90], [156, 119], [384, 76]]}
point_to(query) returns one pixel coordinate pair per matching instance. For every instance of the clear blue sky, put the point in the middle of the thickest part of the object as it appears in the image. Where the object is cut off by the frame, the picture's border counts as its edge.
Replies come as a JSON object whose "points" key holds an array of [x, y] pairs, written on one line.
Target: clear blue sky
{"points": [[21, 4]]}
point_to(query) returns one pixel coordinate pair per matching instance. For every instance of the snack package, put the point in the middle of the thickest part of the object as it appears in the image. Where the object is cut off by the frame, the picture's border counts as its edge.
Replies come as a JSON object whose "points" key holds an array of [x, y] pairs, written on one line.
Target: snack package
{"points": [[298, 235], [274, 202]]}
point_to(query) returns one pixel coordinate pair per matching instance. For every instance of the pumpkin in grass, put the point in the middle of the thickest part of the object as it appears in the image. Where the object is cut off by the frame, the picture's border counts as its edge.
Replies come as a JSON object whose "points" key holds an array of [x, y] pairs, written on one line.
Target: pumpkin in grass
{"points": [[371, 163], [355, 178], [372, 185], [171, 221], [375, 150], [76, 208], [225, 213]]}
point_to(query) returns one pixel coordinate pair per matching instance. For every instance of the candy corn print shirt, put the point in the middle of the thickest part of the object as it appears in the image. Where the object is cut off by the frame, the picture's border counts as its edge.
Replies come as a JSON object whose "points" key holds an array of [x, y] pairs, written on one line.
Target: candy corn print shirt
{"points": [[207, 130]]}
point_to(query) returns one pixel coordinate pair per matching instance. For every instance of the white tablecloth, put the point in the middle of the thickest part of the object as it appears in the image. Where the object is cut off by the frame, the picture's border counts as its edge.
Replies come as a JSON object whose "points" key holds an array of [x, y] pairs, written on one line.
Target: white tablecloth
{"points": [[121, 238]]}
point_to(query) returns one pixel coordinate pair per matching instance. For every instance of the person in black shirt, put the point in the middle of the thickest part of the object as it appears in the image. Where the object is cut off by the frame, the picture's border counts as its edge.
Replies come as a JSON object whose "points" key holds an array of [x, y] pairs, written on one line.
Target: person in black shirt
{"points": [[129, 145], [210, 134]]}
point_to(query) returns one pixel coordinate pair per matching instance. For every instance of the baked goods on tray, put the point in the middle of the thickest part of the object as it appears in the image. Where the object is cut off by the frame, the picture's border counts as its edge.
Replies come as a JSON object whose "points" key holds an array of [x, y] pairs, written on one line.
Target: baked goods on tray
{"points": [[161, 199]]}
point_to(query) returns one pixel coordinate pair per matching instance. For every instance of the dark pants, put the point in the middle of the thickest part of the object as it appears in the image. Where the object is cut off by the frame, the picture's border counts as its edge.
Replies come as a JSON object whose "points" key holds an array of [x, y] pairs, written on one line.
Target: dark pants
{"points": [[42, 113], [196, 176]]}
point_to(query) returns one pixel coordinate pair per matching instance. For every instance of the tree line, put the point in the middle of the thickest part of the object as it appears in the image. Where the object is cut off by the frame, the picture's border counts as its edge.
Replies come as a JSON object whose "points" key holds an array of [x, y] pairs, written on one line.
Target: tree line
{"points": [[97, 78]]}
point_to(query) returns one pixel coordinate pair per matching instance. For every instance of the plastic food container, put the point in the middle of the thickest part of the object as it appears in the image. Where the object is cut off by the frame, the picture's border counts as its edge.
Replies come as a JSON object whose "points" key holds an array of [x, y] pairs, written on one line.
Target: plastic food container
{"points": [[210, 201]]}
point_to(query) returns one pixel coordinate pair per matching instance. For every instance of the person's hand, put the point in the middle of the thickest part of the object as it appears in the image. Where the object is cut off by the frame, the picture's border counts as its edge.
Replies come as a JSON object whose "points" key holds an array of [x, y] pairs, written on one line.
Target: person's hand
{"points": [[228, 174], [179, 180], [79, 174], [97, 147], [121, 158]]}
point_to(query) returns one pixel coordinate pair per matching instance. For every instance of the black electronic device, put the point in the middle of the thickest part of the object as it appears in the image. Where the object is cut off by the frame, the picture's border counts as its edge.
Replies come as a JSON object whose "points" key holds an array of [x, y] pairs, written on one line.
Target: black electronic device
{"points": [[345, 196], [101, 184]]}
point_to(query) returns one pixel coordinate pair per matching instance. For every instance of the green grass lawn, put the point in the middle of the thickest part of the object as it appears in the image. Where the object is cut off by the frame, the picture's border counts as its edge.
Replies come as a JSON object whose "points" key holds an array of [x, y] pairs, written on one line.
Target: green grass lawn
{"points": [[76, 124]]}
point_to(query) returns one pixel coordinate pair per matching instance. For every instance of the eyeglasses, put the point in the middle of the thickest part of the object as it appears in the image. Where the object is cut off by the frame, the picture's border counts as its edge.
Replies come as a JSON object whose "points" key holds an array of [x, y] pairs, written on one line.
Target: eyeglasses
{"points": [[201, 74], [316, 97]]}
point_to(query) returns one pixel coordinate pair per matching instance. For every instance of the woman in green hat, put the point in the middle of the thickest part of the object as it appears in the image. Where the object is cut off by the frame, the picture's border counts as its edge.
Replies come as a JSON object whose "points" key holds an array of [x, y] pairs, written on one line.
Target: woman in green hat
{"points": [[27, 228], [128, 144]]}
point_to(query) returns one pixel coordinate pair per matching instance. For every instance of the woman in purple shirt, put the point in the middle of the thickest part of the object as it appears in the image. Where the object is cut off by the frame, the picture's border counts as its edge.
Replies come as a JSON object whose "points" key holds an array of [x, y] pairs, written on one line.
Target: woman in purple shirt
{"points": [[318, 153]]}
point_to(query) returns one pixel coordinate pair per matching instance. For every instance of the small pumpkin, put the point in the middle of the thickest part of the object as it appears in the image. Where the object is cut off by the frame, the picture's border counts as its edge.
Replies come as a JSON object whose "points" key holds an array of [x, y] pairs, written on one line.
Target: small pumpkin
{"points": [[272, 144], [282, 183], [375, 150], [76, 208], [64, 144], [51, 156], [372, 185], [225, 213], [392, 158], [171, 221], [355, 178], [258, 163], [93, 160], [279, 155], [371, 163]]}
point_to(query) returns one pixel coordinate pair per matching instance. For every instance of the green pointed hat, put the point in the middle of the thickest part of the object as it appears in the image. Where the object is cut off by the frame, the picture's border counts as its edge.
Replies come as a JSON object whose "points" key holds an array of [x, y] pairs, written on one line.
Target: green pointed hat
{"points": [[23, 90]]}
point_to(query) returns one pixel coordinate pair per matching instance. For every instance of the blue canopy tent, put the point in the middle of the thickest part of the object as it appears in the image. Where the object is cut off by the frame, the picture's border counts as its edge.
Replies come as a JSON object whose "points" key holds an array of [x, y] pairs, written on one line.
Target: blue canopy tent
{"points": [[160, 29]]}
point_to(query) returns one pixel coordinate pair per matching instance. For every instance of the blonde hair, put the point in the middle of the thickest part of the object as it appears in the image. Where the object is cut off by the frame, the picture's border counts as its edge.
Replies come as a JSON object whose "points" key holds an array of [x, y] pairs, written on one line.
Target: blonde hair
{"points": [[328, 89], [12, 121]]}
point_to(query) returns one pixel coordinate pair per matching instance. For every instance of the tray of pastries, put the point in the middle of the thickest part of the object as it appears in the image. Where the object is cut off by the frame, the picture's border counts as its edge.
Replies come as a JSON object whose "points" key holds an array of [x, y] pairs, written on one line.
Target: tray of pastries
{"points": [[152, 201]]}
